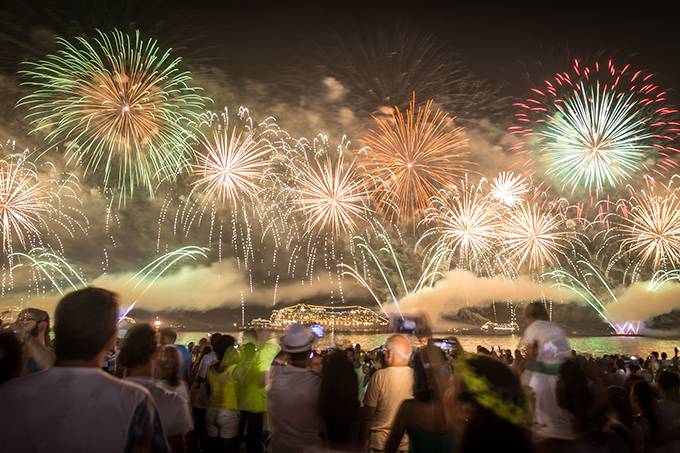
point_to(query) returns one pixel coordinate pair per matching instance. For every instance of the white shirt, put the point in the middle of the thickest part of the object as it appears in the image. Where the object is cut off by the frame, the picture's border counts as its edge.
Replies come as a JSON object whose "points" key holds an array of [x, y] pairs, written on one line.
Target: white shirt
{"points": [[172, 407], [388, 388], [553, 346], [207, 361], [76, 410]]}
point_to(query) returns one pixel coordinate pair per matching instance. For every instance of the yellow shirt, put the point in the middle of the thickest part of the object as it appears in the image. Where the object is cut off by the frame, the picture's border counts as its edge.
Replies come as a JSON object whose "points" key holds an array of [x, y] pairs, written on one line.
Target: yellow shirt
{"points": [[222, 388]]}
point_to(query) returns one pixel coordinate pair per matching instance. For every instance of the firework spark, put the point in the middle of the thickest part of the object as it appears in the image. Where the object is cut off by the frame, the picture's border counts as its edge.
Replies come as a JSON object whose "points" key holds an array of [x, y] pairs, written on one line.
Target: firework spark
{"points": [[382, 64], [534, 236], [119, 104], [598, 127], [413, 156], [24, 203], [331, 193], [650, 230], [465, 224], [509, 188], [232, 164]]}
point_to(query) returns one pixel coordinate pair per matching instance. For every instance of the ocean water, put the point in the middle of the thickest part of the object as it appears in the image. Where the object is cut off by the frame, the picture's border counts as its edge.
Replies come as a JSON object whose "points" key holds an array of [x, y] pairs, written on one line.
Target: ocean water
{"points": [[638, 346]]}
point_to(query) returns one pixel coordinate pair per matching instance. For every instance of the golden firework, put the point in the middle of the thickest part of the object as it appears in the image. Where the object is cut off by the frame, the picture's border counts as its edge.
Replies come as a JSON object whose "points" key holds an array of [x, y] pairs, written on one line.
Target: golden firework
{"points": [[411, 156]]}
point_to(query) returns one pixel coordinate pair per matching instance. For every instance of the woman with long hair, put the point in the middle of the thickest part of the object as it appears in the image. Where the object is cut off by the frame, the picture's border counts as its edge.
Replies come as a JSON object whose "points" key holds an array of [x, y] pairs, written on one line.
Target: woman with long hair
{"points": [[339, 403], [423, 417]]}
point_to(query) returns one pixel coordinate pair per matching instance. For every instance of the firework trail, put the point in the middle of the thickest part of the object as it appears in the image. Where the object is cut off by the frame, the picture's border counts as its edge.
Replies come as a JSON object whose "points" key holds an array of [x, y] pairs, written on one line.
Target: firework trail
{"points": [[394, 280], [53, 267], [412, 156], [592, 286], [597, 128], [65, 277], [120, 106]]}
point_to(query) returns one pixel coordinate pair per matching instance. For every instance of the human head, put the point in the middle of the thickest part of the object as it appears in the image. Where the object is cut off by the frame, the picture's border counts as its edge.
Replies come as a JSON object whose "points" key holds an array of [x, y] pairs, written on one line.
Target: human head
{"points": [[664, 356], [586, 402], [620, 405], [248, 351], [222, 344], [86, 322], [214, 338], [139, 347], [167, 335], [338, 403], [397, 351], [297, 342], [10, 356], [428, 377], [535, 311], [297, 338], [35, 323], [316, 363], [478, 381], [655, 354], [643, 399], [249, 336], [168, 364], [669, 384]]}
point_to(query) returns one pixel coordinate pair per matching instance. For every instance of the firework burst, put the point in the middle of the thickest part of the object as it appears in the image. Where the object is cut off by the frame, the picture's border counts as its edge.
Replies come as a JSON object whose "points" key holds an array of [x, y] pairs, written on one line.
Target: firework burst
{"points": [[597, 127], [119, 104], [412, 156], [232, 163], [534, 237], [230, 194], [332, 193], [509, 188], [650, 227], [382, 64], [24, 203], [465, 225], [37, 206]]}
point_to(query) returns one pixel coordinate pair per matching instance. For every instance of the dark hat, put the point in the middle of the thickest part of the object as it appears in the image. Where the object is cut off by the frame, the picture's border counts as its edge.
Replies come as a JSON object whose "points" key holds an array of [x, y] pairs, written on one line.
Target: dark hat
{"points": [[297, 338]]}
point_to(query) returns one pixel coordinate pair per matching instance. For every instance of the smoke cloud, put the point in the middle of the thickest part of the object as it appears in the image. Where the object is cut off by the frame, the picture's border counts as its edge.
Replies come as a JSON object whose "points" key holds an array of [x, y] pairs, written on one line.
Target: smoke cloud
{"points": [[459, 288], [638, 302], [202, 288]]}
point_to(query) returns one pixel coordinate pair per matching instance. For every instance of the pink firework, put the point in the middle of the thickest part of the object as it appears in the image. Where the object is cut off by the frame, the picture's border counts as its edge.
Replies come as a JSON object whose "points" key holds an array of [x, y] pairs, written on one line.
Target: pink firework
{"points": [[596, 128]]}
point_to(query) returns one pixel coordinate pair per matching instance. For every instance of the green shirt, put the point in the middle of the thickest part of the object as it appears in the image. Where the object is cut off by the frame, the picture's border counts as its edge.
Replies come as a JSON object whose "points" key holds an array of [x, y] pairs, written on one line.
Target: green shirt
{"points": [[251, 392]]}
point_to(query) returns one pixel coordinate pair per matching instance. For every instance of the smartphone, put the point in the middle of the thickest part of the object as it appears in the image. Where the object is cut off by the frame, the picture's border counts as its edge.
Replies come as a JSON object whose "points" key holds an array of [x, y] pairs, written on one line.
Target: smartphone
{"points": [[408, 324], [317, 329], [445, 345]]}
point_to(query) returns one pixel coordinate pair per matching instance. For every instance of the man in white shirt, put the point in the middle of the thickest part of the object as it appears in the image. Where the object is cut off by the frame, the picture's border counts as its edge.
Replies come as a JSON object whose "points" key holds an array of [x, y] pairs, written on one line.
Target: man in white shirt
{"points": [[388, 388], [138, 355], [75, 406], [547, 349]]}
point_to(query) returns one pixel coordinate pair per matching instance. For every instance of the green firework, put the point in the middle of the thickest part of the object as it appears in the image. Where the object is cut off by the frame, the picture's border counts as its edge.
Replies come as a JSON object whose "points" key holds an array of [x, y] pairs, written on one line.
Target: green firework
{"points": [[121, 107]]}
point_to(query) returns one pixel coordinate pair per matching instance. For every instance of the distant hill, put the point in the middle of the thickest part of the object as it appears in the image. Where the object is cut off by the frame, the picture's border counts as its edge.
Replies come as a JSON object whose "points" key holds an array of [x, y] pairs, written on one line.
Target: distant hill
{"points": [[575, 318]]}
